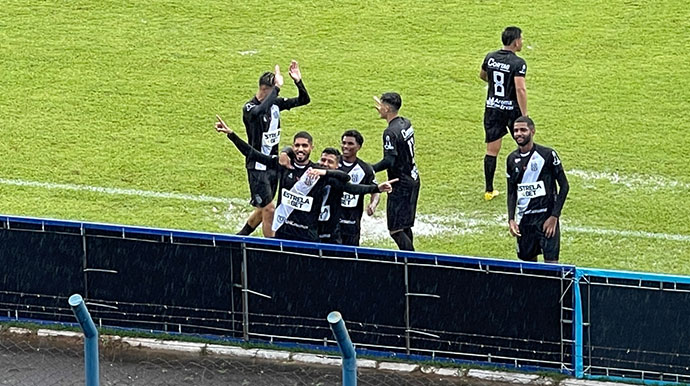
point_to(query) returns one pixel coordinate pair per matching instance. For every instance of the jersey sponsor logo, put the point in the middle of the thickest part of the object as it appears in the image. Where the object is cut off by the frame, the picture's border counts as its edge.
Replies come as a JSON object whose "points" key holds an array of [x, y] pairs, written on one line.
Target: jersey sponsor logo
{"points": [[325, 214], [271, 138], [349, 200], [501, 104], [523, 70], [556, 160], [407, 133], [387, 144], [296, 200], [531, 189], [492, 63], [309, 180]]}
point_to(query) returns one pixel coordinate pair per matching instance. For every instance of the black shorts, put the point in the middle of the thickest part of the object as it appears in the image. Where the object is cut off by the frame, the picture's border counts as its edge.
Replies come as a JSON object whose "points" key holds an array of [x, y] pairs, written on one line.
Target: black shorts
{"points": [[401, 206], [350, 239], [262, 186], [533, 242], [498, 123]]}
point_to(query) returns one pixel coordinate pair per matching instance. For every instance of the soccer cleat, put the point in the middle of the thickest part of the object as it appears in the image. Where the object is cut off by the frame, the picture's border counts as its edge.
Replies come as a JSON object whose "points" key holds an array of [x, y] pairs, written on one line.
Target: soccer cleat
{"points": [[488, 196]]}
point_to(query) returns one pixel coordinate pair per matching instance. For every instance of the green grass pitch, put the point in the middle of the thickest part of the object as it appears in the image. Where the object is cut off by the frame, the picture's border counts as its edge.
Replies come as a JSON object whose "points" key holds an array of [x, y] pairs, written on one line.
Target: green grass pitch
{"points": [[122, 94]]}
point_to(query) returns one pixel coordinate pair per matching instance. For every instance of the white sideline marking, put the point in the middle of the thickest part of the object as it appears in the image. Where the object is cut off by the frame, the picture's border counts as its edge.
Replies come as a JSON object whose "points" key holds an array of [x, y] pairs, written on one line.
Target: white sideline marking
{"points": [[120, 191], [633, 181], [374, 228]]}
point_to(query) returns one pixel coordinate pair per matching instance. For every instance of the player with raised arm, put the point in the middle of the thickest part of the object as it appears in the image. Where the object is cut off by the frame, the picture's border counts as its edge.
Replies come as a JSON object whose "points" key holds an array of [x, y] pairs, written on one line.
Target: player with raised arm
{"points": [[506, 99], [301, 185], [261, 117]]}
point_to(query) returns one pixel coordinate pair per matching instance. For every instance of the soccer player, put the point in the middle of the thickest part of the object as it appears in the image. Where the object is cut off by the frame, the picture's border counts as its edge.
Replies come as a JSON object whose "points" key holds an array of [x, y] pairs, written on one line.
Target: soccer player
{"points": [[301, 185], [330, 225], [534, 203], [506, 99], [261, 117], [398, 160], [352, 205]]}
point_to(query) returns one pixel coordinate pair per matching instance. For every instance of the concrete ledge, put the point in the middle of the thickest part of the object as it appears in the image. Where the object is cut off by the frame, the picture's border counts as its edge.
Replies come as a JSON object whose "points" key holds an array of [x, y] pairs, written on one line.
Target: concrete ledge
{"points": [[165, 344], [586, 382], [443, 371], [402, 367], [70, 334], [502, 376], [366, 364], [329, 360], [317, 359], [17, 330], [232, 351], [273, 355]]}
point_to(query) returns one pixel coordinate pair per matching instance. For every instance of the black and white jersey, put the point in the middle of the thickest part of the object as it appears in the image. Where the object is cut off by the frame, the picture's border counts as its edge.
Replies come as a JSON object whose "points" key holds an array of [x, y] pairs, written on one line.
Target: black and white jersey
{"points": [[299, 195], [398, 141], [502, 67], [532, 179], [352, 205], [262, 121]]}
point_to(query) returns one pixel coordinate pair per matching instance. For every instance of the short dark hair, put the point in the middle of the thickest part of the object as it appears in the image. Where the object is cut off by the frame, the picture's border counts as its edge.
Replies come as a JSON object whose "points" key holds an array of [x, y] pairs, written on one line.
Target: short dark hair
{"points": [[527, 120], [354, 134], [510, 34], [332, 151], [267, 79], [392, 99], [303, 134]]}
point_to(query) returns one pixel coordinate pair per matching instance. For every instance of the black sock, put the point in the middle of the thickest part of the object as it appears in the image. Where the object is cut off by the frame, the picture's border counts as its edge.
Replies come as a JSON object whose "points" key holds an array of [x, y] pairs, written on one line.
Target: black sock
{"points": [[404, 242], [246, 230], [408, 232], [489, 170]]}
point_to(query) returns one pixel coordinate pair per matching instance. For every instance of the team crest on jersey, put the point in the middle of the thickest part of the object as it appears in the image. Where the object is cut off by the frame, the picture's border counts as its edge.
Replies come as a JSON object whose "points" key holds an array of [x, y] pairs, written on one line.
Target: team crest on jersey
{"points": [[556, 160], [309, 181], [281, 219], [355, 179], [387, 145], [534, 167]]}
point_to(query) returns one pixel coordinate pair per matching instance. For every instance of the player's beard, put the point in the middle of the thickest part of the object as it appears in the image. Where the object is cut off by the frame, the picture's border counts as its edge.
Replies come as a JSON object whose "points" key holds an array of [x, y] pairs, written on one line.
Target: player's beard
{"points": [[301, 156], [523, 140]]}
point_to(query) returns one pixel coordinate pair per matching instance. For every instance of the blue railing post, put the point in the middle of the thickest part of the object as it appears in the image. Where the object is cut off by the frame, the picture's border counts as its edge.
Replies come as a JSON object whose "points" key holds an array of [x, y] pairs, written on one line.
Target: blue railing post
{"points": [[346, 348], [578, 325], [90, 339]]}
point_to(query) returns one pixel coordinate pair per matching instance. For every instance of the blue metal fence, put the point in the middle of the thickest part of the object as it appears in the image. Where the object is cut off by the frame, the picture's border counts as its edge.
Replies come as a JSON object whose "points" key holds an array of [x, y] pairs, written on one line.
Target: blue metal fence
{"points": [[403, 304]]}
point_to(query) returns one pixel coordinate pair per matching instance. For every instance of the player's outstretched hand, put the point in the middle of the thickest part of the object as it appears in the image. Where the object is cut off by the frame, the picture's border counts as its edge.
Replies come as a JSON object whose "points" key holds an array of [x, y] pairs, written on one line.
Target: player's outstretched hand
{"points": [[314, 172], [549, 227], [514, 228], [294, 71], [284, 160], [221, 127], [387, 186], [279, 77], [377, 106], [371, 208]]}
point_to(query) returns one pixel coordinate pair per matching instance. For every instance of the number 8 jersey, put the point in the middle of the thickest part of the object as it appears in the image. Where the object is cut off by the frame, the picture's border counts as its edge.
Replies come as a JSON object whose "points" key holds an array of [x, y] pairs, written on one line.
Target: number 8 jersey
{"points": [[502, 67]]}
